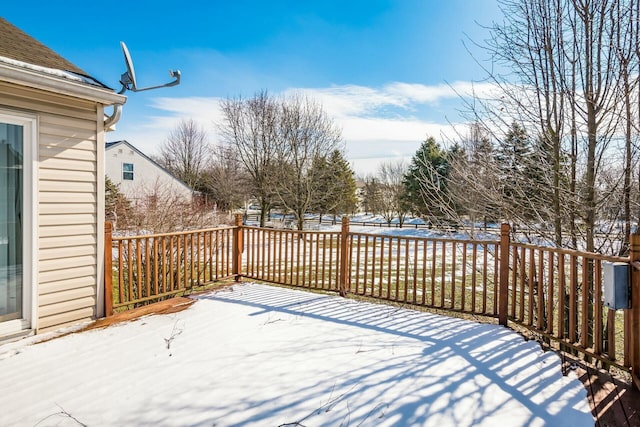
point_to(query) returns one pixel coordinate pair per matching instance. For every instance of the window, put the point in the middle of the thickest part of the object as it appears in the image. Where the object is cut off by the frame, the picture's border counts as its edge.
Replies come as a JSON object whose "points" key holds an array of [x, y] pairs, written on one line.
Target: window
{"points": [[127, 171]]}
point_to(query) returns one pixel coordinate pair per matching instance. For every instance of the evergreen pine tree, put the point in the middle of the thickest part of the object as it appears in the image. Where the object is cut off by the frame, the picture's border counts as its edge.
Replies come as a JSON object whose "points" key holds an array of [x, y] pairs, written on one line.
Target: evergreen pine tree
{"points": [[425, 183]]}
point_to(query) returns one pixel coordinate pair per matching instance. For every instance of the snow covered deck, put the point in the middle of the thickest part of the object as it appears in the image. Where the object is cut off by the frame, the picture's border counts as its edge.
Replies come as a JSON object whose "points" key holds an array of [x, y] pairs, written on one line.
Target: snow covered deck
{"points": [[258, 355]]}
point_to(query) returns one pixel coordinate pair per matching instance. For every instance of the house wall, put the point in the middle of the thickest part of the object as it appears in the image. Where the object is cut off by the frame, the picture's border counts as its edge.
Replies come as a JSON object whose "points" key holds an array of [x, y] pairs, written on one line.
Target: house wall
{"points": [[148, 178], [70, 220]]}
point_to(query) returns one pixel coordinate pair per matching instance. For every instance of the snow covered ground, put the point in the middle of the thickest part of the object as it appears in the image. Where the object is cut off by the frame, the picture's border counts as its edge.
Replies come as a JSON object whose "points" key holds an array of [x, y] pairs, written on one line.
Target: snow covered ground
{"points": [[266, 356]]}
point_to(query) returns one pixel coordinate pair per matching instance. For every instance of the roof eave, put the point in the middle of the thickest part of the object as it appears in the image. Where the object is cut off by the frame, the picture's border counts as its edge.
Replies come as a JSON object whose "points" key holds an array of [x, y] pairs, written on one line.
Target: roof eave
{"points": [[25, 77]]}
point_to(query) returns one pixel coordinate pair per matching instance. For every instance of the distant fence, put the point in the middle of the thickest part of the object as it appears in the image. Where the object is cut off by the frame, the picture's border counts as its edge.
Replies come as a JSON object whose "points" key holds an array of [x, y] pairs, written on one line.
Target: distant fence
{"points": [[288, 221], [555, 293]]}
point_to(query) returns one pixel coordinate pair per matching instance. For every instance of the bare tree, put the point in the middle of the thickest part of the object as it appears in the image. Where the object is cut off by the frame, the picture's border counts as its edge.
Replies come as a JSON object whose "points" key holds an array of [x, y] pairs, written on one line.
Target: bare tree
{"points": [[225, 180], [474, 183], [250, 127], [159, 208], [391, 187], [560, 73], [185, 152], [305, 133], [627, 34]]}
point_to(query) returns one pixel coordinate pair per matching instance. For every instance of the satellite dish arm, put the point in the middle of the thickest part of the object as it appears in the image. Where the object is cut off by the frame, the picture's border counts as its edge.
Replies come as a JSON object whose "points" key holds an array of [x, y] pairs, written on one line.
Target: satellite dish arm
{"points": [[175, 74]]}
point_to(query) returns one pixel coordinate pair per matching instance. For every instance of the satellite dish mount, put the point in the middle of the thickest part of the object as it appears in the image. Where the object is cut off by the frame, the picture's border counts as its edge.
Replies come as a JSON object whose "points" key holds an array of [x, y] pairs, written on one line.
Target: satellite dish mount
{"points": [[128, 78]]}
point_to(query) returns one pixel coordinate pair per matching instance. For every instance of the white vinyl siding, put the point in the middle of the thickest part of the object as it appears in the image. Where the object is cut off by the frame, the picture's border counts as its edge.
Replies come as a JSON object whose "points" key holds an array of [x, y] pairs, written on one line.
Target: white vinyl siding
{"points": [[69, 220], [148, 178]]}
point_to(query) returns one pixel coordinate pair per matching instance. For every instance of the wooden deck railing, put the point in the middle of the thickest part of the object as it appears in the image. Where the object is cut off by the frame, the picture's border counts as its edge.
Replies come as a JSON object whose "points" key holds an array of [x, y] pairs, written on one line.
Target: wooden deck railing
{"points": [[297, 258], [559, 294], [150, 267], [555, 293], [440, 273]]}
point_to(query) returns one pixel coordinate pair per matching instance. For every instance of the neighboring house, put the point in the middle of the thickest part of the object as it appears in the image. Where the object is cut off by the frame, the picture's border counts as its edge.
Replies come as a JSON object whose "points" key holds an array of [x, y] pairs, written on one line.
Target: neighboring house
{"points": [[139, 177], [52, 135]]}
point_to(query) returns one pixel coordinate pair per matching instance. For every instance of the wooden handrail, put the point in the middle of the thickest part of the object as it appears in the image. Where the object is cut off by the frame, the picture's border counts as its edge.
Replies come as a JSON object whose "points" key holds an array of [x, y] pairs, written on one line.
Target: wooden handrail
{"points": [[177, 233], [591, 255]]}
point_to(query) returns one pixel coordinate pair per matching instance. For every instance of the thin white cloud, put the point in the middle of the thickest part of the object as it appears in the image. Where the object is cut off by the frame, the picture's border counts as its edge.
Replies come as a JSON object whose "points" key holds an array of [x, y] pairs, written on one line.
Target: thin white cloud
{"points": [[419, 93], [350, 100]]}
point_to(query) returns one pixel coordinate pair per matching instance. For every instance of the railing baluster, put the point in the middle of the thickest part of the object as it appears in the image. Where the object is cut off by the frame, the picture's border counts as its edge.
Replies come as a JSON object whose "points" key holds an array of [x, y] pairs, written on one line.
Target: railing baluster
{"points": [[597, 307], [155, 266], [171, 265], [220, 250], [324, 259], [398, 262], [424, 272], [407, 257], [573, 300], [453, 274], [262, 253], [121, 297], [540, 276], [584, 315], [139, 267], [443, 267], [550, 296], [280, 247], [415, 270], [463, 284], [514, 282], [485, 255], [185, 249], [532, 272], [382, 239], [304, 259], [562, 300], [189, 283], [195, 263], [373, 265], [389, 269], [523, 263], [496, 280], [332, 281], [474, 263], [366, 265], [357, 278]]}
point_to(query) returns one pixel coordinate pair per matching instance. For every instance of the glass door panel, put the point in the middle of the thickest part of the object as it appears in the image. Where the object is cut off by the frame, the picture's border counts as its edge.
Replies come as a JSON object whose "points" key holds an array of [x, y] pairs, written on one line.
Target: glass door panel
{"points": [[11, 221]]}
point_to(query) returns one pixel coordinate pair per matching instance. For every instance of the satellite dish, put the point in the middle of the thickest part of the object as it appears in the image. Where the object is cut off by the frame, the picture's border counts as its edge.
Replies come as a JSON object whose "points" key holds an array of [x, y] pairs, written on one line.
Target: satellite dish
{"points": [[128, 79]]}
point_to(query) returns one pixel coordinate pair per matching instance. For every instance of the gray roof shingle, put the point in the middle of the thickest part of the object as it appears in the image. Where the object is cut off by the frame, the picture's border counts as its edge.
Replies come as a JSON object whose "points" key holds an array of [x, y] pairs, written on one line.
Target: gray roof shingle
{"points": [[18, 45]]}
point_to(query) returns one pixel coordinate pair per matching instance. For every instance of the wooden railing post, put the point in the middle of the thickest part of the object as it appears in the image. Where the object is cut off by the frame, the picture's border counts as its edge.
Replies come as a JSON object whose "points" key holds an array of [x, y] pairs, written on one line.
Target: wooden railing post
{"points": [[344, 256], [238, 248], [503, 297], [108, 269], [634, 344]]}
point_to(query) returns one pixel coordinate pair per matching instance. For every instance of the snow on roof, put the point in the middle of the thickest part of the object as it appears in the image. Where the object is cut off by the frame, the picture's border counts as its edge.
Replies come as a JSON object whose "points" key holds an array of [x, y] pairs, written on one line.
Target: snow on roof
{"points": [[267, 356], [79, 78]]}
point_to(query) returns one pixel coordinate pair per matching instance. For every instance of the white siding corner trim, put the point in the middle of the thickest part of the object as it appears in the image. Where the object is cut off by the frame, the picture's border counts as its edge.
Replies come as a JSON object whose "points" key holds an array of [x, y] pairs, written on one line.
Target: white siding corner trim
{"points": [[100, 161], [29, 122]]}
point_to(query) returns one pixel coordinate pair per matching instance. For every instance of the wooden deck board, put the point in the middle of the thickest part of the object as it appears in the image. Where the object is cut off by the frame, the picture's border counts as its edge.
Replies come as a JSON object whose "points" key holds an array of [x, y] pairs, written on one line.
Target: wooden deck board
{"points": [[172, 305], [614, 403]]}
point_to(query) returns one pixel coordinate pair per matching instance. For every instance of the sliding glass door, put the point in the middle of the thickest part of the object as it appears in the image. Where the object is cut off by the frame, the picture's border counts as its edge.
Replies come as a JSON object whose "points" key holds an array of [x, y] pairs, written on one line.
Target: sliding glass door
{"points": [[11, 221]]}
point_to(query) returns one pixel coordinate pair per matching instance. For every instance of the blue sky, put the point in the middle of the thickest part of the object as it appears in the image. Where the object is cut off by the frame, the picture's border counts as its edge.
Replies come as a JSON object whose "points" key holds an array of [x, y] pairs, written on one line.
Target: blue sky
{"points": [[383, 69]]}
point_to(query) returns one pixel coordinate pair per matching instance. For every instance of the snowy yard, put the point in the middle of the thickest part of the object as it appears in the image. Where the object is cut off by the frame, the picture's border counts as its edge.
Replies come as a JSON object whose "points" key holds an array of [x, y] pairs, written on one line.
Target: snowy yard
{"points": [[266, 356]]}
